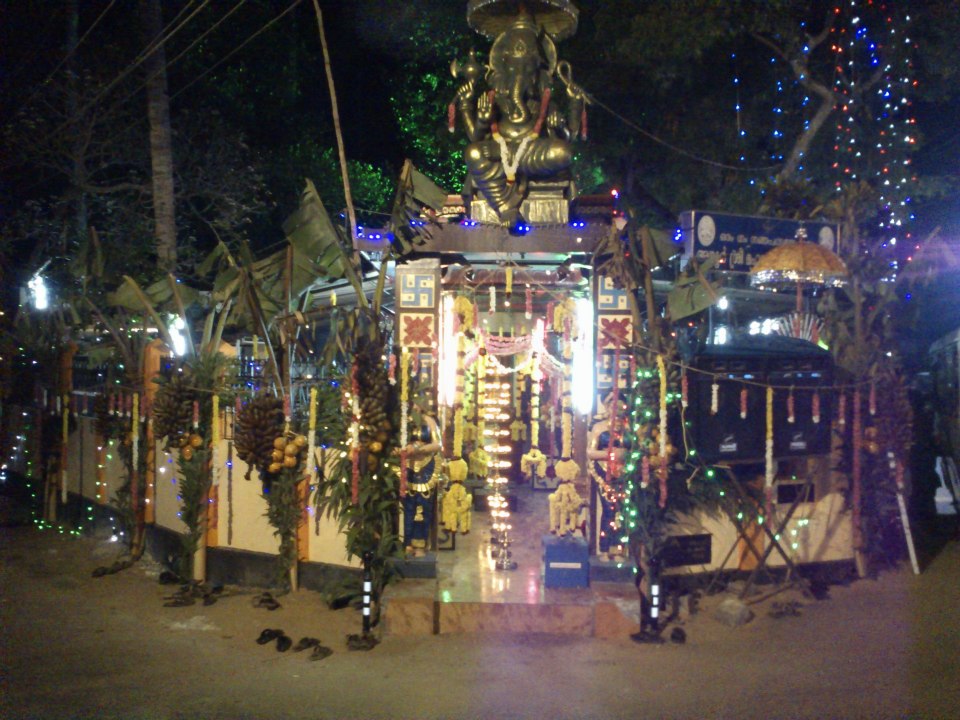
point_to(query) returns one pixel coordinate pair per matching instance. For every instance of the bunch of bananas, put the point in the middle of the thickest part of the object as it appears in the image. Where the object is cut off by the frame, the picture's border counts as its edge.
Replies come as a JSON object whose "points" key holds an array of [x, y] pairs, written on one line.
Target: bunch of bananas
{"points": [[257, 423], [173, 408], [376, 400]]}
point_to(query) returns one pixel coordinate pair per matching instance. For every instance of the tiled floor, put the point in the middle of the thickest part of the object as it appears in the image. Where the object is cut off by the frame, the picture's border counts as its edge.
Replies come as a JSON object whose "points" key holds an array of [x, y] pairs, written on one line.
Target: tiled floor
{"points": [[469, 573], [470, 594]]}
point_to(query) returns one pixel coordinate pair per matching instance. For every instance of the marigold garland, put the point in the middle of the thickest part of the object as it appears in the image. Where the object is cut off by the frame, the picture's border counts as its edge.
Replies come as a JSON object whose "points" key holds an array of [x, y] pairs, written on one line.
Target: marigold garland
{"points": [[464, 310], [662, 469], [533, 461], [354, 433], [769, 466], [567, 469], [404, 416]]}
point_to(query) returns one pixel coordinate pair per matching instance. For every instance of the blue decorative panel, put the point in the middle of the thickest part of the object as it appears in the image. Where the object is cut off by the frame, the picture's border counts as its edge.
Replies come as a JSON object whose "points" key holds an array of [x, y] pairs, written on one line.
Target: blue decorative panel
{"points": [[417, 290], [610, 297]]}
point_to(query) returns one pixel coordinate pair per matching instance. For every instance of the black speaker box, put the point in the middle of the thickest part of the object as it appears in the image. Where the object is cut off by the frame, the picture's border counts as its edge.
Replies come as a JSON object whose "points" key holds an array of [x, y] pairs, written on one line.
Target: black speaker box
{"points": [[752, 364]]}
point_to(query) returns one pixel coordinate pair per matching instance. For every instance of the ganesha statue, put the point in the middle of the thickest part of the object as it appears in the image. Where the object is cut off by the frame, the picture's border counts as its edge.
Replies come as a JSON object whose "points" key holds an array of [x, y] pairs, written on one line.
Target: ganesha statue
{"points": [[516, 128]]}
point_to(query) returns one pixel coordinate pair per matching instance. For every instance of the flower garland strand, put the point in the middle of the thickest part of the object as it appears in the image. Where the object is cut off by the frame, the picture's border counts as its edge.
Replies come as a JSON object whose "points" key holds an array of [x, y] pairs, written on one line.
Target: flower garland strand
{"points": [[769, 467], [354, 434], [662, 469], [404, 416], [312, 437], [743, 403], [567, 469], [791, 416], [855, 490], [615, 406], [534, 461], [714, 398]]}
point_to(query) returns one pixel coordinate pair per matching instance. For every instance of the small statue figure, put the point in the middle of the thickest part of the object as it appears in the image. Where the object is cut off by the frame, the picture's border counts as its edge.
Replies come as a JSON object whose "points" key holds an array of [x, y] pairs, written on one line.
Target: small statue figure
{"points": [[423, 465], [606, 450], [515, 129]]}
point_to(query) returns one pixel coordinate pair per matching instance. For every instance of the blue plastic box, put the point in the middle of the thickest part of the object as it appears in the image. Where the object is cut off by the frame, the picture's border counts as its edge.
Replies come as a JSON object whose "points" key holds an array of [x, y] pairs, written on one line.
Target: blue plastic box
{"points": [[566, 562]]}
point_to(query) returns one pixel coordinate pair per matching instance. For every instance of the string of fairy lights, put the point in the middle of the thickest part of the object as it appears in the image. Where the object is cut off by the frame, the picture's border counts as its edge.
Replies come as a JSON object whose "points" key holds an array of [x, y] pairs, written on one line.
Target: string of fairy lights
{"points": [[872, 48]]}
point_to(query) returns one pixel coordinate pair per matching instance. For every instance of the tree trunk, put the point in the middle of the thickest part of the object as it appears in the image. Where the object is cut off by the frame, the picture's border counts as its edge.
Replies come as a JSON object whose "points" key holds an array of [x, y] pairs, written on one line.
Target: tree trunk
{"points": [[79, 171], [161, 146]]}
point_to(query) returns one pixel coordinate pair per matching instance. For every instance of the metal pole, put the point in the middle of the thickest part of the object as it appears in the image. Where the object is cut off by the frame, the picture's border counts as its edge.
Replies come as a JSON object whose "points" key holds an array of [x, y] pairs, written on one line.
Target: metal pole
{"points": [[367, 590]]}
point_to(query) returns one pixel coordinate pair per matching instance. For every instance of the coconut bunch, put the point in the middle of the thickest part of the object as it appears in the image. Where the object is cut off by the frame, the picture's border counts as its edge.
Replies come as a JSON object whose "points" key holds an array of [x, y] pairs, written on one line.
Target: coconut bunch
{"points": [[258, 424], [173, 409], [189, 443], [288, 452]]}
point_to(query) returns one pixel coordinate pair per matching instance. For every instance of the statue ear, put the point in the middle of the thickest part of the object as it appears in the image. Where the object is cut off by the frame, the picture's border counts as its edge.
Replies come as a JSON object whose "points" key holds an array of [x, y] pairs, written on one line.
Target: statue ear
{"points": [[549, 51]]}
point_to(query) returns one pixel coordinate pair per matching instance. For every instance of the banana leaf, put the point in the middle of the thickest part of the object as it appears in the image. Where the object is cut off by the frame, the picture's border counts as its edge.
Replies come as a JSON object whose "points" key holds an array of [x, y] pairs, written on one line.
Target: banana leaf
{"points": [[312, 234], [159, 294], [414, 190]]}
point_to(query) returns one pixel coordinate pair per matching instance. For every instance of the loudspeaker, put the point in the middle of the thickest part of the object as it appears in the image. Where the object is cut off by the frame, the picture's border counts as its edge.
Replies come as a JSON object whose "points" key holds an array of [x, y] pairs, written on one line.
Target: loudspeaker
{"points": [[790, 365]]}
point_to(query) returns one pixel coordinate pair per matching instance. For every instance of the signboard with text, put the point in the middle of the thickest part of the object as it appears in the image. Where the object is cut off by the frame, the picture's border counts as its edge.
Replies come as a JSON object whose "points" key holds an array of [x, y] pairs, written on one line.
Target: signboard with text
{"points": [[738, 241]]}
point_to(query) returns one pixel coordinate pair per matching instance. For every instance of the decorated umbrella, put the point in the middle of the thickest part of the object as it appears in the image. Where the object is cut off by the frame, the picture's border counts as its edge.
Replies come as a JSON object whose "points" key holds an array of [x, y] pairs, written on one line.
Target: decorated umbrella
{"points": [[802, 263], [558, 18]]}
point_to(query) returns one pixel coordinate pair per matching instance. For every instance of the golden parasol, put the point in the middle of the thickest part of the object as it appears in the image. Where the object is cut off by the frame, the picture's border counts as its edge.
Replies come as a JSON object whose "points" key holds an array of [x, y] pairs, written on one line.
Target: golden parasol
{"points": [[802, 263], [558, 18]]}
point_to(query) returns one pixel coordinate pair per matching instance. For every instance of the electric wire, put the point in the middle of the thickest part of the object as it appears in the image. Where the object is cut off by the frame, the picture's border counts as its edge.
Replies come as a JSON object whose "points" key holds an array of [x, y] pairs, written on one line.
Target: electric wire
{"points": [[70, 53], [151, 48], [686, 153], [237, 49]]}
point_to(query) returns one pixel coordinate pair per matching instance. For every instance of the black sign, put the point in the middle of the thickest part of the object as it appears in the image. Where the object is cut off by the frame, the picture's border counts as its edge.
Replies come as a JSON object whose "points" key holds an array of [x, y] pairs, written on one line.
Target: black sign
{"points": [[688, 550], [738, 241]]}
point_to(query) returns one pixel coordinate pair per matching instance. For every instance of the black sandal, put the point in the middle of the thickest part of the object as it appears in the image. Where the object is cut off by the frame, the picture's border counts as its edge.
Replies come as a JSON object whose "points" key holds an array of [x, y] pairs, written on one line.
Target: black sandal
{"points": [[306, 643], [265, 600], [268, 635], [320, 652], [283, 643]]}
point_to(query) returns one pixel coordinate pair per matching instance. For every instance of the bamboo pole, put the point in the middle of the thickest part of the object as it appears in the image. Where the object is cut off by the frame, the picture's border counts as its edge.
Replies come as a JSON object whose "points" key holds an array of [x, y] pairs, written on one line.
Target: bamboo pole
{"points": [[336, 124]]}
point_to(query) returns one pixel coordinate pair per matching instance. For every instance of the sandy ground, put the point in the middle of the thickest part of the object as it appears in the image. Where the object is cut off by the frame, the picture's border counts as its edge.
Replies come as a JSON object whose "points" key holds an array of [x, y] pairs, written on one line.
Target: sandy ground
{"points": [[74, 646]]}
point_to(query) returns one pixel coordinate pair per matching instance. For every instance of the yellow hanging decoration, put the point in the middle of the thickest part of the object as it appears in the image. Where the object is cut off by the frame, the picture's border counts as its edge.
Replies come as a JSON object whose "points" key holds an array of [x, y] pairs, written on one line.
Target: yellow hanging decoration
{"points": [[464, 308], [769, 470], [534, 461], [567, 469], [479, 462], [662, 367], [457, 467], [567, 310], [509, 274]]}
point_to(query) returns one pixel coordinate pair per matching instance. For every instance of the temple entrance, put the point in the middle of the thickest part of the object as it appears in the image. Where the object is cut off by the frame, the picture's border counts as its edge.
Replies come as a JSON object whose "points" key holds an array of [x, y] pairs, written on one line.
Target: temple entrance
{"points": [[514, 376]]}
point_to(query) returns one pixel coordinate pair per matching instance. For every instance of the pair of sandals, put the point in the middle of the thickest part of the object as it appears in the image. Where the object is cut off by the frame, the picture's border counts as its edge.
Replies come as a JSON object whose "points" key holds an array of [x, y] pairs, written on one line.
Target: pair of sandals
{"points": [[284, 643], [266, 600], [790, 608], [189, 593]]}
